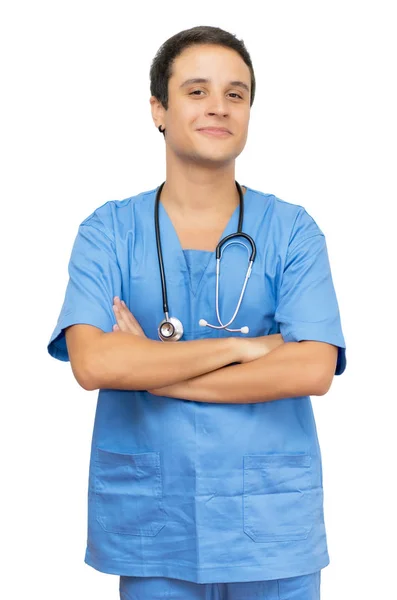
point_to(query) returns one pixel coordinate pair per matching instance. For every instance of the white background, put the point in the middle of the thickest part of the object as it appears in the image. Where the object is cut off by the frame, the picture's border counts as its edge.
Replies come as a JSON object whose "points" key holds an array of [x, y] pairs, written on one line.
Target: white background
{"points": [[76, 131]]}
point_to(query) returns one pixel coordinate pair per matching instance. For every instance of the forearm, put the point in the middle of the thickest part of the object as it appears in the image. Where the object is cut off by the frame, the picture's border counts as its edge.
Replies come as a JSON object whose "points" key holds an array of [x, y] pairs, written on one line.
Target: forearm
{"points": [[291, 370], [129, 362]]}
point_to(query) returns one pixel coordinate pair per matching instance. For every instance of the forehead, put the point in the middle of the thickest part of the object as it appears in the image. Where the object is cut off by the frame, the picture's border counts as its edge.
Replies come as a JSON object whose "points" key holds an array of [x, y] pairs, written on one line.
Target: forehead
{"points": [[211, 61]]}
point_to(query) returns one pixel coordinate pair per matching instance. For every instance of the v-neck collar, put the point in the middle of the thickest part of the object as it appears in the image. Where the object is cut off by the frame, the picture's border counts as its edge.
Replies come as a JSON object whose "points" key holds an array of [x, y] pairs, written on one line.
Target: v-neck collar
{"points": [[172, 248], [197, 263]]}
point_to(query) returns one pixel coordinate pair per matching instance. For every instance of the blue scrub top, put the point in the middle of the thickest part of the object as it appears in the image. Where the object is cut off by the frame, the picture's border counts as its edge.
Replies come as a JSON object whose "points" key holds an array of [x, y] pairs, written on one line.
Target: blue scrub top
{"points": [[200, 491]]}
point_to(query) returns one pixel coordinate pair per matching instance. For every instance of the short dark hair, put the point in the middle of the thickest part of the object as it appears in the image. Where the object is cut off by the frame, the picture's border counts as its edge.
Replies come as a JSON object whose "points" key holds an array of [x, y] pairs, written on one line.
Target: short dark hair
{"points": [[161, 67]]}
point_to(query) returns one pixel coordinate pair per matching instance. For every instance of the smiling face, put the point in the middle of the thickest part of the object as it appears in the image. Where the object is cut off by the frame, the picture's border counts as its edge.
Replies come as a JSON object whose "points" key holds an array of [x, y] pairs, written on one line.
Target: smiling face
{"points": [[209, 88]]}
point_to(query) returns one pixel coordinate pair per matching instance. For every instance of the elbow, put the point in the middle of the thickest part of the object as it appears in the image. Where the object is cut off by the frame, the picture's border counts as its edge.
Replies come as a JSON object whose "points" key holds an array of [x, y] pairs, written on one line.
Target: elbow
{"points": [[90, 379], [85, 377], [322, 383], [321, 391], [83, 345], [89, 385], [326, 370], [97, 371]]}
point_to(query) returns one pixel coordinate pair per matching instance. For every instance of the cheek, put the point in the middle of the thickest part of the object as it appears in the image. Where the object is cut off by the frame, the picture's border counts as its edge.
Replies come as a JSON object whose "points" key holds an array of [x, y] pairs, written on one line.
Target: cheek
{"points": [[184, 122], [244, 134], [243, 128], [184, 113], [243, 119]]}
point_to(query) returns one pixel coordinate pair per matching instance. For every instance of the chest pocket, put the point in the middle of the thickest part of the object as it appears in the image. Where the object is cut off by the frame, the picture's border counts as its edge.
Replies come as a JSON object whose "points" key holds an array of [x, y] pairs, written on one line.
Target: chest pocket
{"points": [[129, 492], [277, 497]]}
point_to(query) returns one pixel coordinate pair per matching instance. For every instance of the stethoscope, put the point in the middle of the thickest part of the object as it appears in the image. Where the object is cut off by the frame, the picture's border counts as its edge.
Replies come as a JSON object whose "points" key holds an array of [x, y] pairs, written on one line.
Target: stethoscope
{"points": [[171, 328]]}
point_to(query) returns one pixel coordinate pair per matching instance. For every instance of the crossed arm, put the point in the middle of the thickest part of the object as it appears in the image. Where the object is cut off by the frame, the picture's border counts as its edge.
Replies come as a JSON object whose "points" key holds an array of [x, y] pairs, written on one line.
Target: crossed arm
{"points": [[292, 369], [289, 369]]}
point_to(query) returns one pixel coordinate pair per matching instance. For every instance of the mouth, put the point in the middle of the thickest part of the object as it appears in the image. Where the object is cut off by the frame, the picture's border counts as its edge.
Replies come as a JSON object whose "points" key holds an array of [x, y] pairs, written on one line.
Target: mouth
{"points": [[215, 131]]}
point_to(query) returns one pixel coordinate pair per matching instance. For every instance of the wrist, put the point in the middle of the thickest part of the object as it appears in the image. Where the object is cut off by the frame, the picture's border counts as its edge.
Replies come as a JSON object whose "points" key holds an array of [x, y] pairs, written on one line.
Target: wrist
{"points": [[235, 345], [278, 340]]}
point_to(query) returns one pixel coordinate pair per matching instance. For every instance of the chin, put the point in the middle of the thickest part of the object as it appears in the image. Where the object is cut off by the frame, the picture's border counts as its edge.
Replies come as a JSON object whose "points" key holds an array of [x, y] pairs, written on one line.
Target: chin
{"points": [[214, 160], [220, 153], [205, 154], [216, 154]]}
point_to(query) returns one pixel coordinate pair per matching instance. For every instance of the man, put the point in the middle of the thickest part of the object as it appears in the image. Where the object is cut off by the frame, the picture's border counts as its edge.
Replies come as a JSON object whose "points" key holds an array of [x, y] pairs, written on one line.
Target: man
{"points": [[205, 473]]}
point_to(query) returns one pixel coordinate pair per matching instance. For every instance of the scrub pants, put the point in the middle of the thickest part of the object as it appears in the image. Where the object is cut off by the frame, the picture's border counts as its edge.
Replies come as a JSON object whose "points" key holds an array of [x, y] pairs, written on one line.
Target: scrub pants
{"points": [[303, 587]]}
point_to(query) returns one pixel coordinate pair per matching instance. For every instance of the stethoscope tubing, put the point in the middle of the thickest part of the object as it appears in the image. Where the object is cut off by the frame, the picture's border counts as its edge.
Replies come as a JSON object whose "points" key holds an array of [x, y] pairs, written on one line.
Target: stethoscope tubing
{"points": [[160, 252], [176, 325]]}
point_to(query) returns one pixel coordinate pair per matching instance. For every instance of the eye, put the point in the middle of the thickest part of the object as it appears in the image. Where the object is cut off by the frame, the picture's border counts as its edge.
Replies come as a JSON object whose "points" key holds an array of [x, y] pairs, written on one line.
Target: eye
{"points": [[234, 94]]}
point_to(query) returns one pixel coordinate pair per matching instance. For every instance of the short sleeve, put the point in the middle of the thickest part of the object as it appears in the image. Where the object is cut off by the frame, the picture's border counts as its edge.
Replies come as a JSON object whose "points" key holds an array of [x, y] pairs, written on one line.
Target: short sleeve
{"points": [[307, 307], [94, 280]]}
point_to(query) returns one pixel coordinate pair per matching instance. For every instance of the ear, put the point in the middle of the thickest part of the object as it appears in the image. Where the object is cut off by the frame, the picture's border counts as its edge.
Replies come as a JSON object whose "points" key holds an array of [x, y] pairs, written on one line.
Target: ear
{"points": [[158, 112]]}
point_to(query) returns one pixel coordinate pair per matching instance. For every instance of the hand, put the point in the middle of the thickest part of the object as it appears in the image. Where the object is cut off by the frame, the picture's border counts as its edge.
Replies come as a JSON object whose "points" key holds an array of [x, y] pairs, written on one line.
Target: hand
{"points": [[254, 348], [125, 319]]}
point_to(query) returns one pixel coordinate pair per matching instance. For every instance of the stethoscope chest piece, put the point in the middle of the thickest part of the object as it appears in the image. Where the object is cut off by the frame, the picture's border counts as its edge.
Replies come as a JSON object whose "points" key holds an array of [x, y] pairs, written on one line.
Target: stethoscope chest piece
{"points": [[170, 329]]}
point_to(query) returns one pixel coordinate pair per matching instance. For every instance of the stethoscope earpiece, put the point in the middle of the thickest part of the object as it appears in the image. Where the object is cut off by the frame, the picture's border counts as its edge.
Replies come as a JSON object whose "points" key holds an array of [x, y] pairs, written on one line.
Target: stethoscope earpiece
{"points": [[204, 323], [171, 328]]}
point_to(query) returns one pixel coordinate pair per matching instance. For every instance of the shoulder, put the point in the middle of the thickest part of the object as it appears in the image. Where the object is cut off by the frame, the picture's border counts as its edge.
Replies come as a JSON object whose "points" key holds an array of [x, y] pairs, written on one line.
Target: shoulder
{"points": [[114, 214], [289, 217]]}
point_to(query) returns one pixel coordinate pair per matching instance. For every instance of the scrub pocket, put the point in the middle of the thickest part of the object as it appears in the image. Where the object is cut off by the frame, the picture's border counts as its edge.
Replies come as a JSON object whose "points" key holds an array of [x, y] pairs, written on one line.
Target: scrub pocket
{"points": [[277, 502], [129, 493]]}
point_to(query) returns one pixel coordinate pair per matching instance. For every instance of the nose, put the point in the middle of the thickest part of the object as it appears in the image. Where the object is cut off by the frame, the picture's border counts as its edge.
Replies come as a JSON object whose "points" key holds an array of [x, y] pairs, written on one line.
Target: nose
{"points": [[217, 105]]}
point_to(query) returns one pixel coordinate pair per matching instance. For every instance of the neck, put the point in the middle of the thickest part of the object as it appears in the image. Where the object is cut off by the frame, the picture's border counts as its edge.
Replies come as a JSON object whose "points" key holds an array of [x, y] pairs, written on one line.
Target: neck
{"points": [[196, 189]]}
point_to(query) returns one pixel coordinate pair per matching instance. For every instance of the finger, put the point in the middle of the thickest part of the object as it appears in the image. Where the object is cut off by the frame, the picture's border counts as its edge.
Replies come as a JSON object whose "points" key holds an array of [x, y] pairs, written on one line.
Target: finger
{"points": [[123, 326], [121, 317], [129, 318], [123, 310], [127, 324], [127, 314]]}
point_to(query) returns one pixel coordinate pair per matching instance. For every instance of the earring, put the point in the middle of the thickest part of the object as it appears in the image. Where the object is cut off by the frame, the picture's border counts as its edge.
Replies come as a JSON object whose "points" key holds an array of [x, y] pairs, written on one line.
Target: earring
{"points": [[161, 130]]}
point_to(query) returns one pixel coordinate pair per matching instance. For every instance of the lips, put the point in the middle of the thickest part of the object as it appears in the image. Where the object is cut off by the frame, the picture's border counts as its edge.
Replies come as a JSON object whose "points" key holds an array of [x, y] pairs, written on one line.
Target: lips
{"points": [[215, 129]]}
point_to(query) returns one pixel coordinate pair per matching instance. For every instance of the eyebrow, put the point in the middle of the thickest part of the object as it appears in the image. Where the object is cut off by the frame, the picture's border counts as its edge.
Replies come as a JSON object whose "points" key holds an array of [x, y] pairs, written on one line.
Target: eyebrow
{"points": [[204, 80]]}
